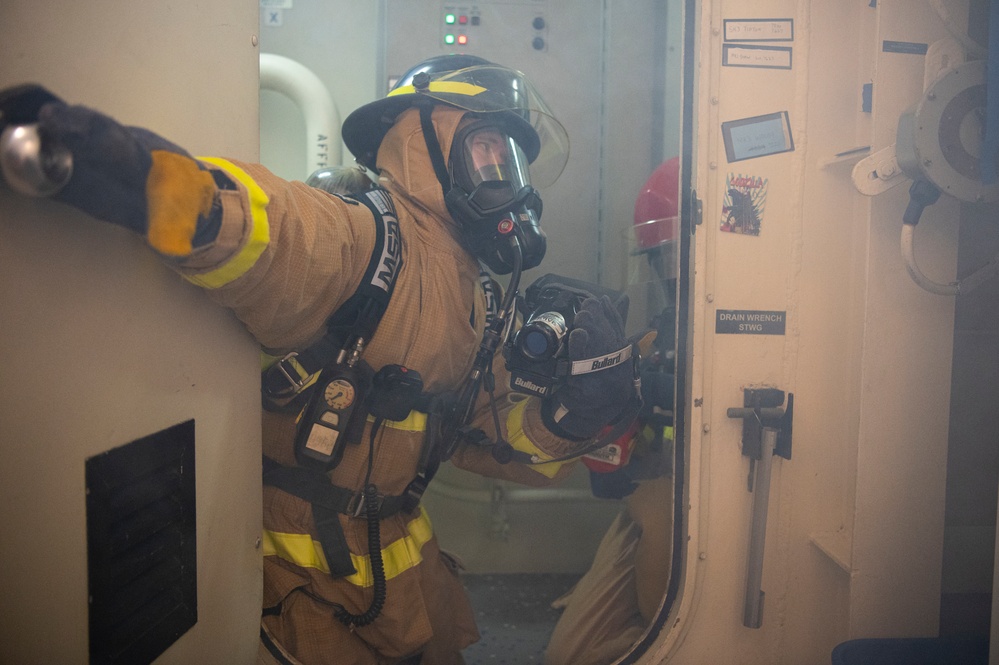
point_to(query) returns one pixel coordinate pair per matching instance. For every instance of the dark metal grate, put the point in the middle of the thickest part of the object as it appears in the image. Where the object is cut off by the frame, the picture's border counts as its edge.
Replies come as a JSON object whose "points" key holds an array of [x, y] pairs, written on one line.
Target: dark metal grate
{"points": [[141, 547]]}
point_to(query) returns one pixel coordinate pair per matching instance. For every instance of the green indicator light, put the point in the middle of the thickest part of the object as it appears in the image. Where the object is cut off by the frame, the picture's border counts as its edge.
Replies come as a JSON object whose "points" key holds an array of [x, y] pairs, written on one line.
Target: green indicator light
{"points": [[449, 39], [449, 19]]}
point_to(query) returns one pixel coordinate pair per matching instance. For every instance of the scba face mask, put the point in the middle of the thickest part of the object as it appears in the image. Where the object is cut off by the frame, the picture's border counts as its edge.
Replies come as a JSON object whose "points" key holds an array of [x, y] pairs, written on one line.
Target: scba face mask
{"points": [[492, 199]]}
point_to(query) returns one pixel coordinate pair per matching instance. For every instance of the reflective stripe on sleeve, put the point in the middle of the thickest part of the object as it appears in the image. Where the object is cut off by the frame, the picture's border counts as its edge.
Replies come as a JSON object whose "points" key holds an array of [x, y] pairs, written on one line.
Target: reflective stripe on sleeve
{"points": [[515, 435], [397, 557], [259, 237]]}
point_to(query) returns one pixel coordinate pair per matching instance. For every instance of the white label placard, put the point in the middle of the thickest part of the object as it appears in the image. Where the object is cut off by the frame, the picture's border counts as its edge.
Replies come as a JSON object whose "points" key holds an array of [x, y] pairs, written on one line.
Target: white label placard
{"points": [[759, 30], [762, 57], [759, 136]]}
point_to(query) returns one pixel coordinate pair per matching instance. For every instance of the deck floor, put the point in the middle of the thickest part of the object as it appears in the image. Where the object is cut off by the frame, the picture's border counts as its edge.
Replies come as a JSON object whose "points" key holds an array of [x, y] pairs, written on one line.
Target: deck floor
{"points": [[514, 615]]}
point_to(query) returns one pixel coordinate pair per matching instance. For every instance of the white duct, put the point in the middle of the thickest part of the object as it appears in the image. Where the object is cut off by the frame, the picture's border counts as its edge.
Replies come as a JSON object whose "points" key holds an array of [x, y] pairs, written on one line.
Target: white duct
{"points": [[323, 147]]}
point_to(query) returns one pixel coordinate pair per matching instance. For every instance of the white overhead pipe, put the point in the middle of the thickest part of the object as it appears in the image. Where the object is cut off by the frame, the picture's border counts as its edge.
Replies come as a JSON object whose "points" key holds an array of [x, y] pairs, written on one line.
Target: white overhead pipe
{"points": [[323, 147]]}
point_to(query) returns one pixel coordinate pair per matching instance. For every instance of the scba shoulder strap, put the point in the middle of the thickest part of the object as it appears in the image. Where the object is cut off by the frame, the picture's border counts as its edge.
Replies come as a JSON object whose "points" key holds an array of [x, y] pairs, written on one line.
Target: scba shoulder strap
{"points": [[354, 323], [334, 363]]}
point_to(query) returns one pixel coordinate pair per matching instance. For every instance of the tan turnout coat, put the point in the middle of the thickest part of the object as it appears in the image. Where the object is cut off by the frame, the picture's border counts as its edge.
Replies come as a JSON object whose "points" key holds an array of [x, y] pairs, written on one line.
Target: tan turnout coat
{"points": [[283, 266]]}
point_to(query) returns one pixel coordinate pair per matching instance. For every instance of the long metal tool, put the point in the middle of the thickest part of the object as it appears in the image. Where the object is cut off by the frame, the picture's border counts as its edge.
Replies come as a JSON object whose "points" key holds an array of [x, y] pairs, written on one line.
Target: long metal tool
{"points": [[752, 616], [766, 432]]}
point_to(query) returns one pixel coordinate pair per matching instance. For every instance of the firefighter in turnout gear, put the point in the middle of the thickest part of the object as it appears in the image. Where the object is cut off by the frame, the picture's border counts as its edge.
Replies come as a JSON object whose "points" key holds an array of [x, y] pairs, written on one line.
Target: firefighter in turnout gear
{"points": [[363, 396]]}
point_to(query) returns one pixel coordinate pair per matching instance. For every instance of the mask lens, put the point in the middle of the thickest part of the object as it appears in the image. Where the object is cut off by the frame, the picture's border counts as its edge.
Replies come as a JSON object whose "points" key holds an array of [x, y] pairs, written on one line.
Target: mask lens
{"points": [[491, 156]]}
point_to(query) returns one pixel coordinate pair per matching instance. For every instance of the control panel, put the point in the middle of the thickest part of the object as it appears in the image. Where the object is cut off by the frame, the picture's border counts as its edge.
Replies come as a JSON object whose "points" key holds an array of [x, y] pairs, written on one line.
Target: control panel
{"points": [[463, 26]]}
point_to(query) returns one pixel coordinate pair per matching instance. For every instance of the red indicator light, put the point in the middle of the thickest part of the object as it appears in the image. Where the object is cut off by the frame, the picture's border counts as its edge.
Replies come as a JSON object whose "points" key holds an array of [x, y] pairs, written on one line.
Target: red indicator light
{"points": [[505, 226], [462, 20], [462, 39]]}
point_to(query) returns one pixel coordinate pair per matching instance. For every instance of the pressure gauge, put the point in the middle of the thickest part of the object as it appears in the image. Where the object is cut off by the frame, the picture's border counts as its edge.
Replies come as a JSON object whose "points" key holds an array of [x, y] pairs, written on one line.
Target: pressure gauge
{"points": [[339, 394]]}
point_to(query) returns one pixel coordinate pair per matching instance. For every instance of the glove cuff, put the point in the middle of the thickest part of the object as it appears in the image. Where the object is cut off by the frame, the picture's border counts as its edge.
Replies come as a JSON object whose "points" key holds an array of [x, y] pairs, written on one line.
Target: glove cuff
{"points": [[178, 194], [549, 409]]}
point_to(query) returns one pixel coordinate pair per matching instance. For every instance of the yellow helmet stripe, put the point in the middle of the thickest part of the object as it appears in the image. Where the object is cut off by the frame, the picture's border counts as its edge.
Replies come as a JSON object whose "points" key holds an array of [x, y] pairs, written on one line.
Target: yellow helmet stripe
{"points": [[397, 557], [452, 87], [260, 234]]}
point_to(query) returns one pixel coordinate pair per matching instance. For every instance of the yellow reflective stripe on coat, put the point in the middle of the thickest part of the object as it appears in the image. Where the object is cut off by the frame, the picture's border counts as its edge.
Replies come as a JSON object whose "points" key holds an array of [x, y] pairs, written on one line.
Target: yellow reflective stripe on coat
{"points": [[453, 87], [260, 232], [515, 435], [397, 557], [416, 421]]}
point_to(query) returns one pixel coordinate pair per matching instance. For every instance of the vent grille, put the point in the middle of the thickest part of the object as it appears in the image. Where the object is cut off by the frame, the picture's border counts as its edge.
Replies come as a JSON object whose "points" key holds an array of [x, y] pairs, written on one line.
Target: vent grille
{"points": [[141, 546]]}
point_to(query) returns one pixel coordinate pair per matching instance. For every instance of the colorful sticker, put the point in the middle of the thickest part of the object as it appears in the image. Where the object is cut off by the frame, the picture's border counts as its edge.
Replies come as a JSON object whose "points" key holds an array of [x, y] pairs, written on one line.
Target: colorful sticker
{"points": [[742, 207]]}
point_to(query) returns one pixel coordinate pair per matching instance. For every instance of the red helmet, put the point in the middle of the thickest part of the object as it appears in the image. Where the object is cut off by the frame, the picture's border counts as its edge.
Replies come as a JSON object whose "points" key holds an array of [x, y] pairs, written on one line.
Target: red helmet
{"points": [[656, 208]]}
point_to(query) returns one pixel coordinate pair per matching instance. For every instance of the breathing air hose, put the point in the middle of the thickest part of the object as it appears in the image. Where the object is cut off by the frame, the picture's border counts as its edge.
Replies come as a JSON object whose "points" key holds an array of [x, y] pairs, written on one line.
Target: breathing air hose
{"points": [[377, 566], [372, 506], [461, 411]]}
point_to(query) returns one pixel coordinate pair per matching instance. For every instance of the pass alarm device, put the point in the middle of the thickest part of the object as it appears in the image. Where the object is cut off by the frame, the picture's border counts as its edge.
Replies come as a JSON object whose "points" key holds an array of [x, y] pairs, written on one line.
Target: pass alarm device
{"points": [[336, 413], [332, 417]]}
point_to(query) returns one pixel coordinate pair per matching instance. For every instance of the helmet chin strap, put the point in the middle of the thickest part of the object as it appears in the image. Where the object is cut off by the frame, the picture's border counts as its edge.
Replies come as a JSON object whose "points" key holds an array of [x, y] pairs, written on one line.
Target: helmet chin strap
{"points": [[434, 148]]}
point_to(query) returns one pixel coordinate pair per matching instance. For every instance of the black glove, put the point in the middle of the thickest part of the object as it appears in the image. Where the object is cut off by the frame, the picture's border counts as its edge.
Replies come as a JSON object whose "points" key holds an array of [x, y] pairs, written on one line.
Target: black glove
{"points": [[123, 175], [614, 485], [587, 402]]}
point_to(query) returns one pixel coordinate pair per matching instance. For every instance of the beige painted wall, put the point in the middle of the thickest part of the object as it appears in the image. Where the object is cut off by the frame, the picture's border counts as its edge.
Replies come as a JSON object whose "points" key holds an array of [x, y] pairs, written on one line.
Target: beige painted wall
{"points": [[101, 344]]}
